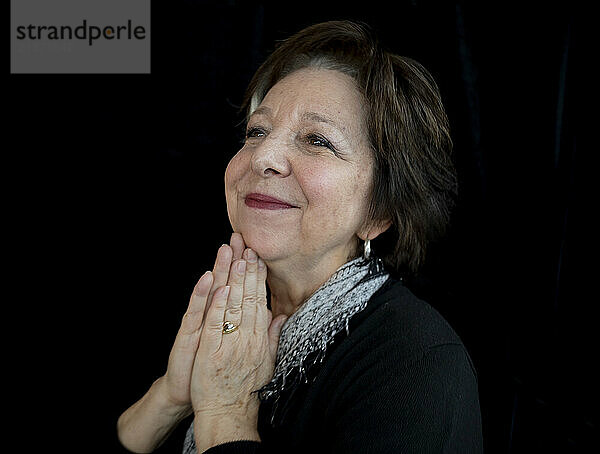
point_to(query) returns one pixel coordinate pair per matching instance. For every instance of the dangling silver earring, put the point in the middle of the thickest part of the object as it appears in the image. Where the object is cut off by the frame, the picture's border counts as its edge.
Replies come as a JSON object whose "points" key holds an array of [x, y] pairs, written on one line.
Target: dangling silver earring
{"points": [[367, 249]]}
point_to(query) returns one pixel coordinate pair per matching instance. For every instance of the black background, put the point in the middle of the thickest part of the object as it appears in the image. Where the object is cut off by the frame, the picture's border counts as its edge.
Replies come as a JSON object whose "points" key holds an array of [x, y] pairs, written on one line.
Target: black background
{"points": [[115, 206]]}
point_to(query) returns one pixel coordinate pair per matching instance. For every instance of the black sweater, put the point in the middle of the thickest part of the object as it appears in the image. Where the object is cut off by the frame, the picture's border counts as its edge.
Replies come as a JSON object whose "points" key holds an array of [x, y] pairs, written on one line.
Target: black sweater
{"points": [[400, 382]]}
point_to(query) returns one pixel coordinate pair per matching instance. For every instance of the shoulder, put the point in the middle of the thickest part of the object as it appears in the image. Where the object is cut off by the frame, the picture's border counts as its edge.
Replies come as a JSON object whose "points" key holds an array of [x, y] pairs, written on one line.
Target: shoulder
{"points": [[397, 332], [403, 373], [396, 318]]}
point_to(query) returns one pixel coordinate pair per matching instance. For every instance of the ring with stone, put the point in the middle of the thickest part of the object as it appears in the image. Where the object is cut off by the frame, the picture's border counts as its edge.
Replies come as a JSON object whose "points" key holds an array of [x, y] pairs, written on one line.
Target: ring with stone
{"points": [[229, 327]]}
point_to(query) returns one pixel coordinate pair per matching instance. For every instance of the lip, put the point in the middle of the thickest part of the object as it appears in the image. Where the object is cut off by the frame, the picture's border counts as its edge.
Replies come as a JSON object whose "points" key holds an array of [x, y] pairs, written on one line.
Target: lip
{"points": [[263, 201]]}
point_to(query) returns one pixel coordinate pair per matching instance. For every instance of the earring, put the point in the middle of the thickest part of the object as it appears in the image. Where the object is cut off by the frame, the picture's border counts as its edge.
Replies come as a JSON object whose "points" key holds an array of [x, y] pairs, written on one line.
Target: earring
{"points": [[367, 249]]}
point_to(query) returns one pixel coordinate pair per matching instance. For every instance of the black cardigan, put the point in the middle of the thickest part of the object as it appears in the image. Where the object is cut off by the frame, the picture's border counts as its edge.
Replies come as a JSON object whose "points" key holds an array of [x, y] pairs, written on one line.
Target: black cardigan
{"points": [[400, 382]]}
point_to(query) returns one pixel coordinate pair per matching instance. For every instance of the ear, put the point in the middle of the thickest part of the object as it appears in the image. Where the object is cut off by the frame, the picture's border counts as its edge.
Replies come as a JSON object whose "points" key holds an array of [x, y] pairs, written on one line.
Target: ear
{"points": [[372, 231]]}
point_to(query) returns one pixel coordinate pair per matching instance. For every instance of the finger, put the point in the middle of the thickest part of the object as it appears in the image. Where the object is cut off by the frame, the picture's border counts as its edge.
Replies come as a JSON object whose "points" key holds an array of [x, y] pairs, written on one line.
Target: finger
{"points": [[233, 310], [237, 244], [220, 270], [261, 278], [192, 319], [188, 336], [274, 333], [249, 301], [213, 325], [262, 312]]}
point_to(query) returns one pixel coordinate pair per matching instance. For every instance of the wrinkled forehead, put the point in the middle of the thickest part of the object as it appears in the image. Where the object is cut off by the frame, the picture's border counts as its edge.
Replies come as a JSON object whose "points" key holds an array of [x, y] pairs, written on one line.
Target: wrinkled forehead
{"points": [[320, 95]]}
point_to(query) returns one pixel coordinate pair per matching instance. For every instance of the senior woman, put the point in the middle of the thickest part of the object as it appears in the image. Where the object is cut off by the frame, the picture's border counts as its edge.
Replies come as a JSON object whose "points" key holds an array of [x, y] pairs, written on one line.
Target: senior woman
{"points": [[345, 143]]}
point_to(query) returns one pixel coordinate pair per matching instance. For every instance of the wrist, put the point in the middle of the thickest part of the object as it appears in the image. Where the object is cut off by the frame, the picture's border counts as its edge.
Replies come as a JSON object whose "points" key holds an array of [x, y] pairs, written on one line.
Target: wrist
{"points": [[212, 430], [147, 423], [165, 404]]}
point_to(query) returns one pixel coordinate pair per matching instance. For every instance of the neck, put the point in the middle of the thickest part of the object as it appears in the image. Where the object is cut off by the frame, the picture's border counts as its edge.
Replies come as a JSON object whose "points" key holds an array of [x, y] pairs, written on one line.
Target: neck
{"points": [[292, 282]]}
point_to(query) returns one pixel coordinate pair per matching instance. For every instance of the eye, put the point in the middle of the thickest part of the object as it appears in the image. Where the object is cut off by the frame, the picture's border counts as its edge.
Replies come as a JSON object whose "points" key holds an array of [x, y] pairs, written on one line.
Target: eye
{"points": [[255, 132], [318, 141]]}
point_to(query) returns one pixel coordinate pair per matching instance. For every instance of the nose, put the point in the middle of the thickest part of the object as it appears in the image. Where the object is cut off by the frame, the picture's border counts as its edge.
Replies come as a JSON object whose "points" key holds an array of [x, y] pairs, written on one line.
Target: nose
{"points": [[269, 158]]}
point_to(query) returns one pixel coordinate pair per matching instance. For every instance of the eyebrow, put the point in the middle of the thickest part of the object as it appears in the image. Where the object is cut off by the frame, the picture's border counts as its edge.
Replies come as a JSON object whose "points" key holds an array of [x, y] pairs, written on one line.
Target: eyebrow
{"points": [[311, 116], [262, 110], [316, 117]]}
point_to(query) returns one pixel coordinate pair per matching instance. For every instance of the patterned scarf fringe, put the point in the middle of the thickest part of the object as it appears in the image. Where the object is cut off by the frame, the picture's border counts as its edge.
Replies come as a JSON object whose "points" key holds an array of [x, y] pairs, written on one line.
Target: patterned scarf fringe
{"points": [[311, 350]]}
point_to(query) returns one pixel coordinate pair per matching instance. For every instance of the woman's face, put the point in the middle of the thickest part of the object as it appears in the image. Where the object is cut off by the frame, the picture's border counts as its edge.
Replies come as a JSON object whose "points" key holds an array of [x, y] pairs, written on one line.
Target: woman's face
{"points": [[306, 145]]}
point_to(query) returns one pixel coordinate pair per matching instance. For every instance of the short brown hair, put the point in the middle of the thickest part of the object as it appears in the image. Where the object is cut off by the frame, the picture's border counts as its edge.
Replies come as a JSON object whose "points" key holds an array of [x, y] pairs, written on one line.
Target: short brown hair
{"points": [[414, 182]]}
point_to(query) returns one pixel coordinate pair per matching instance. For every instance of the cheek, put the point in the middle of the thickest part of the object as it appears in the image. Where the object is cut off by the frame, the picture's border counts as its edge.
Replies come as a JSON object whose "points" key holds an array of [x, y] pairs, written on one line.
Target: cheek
{"points": [[234, 172], [233, 176], [334, 194], [317, 183]]}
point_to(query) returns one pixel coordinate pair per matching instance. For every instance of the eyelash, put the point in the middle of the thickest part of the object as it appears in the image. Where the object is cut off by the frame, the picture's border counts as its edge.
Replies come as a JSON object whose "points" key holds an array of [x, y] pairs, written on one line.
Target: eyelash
{"points": [[251, 131], [310, 137], [325, 142]]}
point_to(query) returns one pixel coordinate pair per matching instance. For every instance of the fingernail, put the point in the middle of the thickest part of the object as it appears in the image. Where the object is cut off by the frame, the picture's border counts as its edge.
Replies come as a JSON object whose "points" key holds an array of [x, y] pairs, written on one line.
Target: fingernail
{"points": [[241, 266], [223, 251], [252, 256], [204, 277], [261, 264]]}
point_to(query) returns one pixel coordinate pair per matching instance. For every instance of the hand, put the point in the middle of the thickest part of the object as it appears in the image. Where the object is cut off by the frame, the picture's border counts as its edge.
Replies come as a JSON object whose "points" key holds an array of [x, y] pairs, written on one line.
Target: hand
{"points": [[148, 422], [181, 359], [228, 367]]}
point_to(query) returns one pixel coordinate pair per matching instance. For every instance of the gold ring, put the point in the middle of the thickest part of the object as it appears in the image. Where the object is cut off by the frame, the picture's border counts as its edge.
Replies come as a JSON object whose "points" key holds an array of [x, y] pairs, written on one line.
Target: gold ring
{"points": [[229, 327]]}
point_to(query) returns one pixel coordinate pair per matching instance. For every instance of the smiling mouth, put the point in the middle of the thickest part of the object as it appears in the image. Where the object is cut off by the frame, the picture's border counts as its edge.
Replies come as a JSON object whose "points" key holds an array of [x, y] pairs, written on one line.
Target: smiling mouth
{"points": [[263, 202], [260, 204]]}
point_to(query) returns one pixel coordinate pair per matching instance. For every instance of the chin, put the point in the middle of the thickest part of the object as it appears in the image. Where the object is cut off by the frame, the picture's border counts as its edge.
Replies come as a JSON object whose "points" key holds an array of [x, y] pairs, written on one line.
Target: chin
{"points": [[265, 244]]}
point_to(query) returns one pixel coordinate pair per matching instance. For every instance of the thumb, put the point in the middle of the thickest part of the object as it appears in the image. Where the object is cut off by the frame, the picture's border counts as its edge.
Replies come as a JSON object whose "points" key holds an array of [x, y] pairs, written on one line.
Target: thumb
{"points": [[275, 332]]}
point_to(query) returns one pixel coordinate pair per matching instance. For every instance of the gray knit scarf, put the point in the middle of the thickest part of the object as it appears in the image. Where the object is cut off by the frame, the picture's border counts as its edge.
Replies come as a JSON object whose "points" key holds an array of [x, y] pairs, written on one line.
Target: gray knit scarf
{"points": [[314, 325]]}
